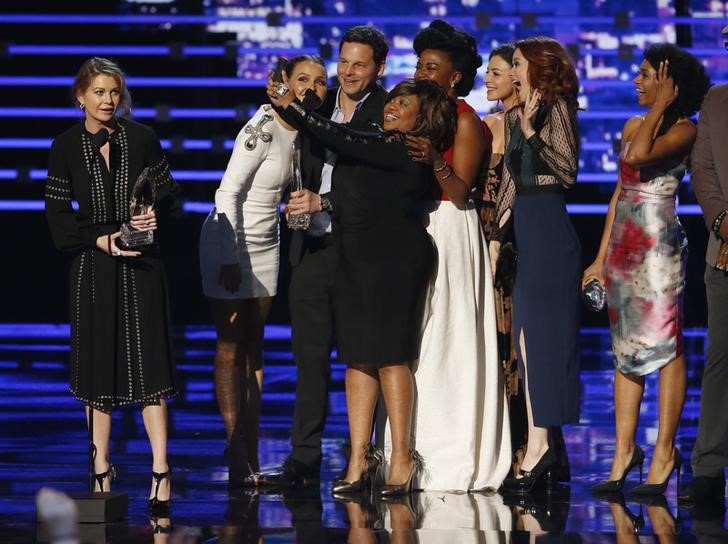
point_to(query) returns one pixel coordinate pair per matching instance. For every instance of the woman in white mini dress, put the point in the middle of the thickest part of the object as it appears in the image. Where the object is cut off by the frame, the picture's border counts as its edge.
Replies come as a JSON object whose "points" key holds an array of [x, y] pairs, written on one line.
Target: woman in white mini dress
{"points": [[239, 254]]}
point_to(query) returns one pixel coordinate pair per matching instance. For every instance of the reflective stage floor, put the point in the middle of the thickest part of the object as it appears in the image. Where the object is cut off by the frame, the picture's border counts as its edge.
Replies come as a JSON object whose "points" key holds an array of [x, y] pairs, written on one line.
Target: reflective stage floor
{"points": [[43, 443]]}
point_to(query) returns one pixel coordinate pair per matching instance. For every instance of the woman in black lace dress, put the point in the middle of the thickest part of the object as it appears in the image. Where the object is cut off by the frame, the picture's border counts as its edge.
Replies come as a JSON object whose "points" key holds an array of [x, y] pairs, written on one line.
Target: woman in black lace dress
{"points": [[120, 341], [541, 160], [386, 260]]}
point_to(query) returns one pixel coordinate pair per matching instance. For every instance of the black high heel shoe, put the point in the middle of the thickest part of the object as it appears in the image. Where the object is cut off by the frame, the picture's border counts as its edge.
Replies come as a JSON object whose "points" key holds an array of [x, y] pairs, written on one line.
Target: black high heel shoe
{"points": [[659, 489], [543, 471], [101, 476], [155, 504], [373, 457], [394, 490], [611, 486]]}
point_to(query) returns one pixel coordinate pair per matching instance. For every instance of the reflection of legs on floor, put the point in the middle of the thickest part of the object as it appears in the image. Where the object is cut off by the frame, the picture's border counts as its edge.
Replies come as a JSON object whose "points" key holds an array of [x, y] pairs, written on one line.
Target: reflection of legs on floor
{"points": [[241, 521], [161, 528], [362, 390], [358, 515], [663, 524], [527, 522], [401, 515], [673, 384], [626, 524]]}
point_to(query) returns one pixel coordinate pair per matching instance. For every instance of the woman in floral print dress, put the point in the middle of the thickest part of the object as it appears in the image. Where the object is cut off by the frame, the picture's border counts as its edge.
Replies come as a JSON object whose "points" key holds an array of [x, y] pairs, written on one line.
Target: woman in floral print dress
{"points": [[642, 257]]}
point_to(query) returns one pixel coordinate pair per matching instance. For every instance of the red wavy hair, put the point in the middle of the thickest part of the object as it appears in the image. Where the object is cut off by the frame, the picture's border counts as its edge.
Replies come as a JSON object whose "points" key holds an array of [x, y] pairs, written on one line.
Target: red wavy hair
{"points": [[550, 69]]}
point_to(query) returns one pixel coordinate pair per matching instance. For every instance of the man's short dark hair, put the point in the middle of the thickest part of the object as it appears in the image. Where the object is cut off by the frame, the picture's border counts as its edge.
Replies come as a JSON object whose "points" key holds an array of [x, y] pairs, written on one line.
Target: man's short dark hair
{"points": [[370, 36]]}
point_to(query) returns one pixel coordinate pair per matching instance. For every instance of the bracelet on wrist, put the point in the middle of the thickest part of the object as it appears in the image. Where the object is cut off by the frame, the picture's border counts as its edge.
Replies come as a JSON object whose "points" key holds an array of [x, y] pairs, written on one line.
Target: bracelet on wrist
{"points": [[449, 173], [444, 165], [719, 220], [108, 243]]}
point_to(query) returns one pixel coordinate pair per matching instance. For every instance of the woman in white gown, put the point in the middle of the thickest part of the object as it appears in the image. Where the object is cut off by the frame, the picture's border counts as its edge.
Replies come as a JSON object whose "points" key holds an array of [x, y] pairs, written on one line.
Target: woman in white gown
{"points": [[461, 426], [239, 254]]}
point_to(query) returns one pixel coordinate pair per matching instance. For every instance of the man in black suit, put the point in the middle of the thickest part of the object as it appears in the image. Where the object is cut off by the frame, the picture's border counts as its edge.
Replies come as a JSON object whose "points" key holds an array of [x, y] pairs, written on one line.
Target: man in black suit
{"points": [[359, 101]]}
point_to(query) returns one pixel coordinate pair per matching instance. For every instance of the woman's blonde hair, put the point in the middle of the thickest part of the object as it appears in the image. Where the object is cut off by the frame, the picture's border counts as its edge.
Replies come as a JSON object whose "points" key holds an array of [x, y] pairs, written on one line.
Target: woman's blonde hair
{"points": [[97, 66]]}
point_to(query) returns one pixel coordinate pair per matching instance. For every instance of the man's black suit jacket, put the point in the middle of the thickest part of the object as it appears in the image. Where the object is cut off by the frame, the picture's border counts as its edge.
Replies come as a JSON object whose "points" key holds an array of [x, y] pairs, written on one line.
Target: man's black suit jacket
{"points": [[313, 154]]}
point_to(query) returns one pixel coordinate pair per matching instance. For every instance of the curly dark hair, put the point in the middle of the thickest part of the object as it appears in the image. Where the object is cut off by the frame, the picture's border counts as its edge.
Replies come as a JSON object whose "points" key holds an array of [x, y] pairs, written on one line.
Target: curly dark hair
{"points": [[438, 116], [687, 73], [504, 51], [368, 35], [460, 46], [550, 69]]}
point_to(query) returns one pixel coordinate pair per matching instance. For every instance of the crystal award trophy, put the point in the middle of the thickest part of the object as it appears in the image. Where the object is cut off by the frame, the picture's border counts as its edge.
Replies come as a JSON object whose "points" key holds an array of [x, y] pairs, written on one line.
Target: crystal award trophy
{"points": [[297, 222], [143, 195]]}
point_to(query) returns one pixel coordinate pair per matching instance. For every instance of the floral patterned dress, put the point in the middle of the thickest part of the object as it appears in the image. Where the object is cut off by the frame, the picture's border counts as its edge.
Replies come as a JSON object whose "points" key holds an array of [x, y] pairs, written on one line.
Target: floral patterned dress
{"points": [[645, 276]]}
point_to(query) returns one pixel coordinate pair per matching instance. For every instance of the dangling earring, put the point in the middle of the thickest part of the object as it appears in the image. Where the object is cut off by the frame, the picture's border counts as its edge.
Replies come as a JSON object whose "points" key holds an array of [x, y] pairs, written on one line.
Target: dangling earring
{"points": [[82, 106], [452, 84]]}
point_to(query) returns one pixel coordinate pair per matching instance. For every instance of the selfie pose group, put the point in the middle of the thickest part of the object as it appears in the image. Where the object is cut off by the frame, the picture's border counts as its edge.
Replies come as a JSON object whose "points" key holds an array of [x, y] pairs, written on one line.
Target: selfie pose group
{"points": [[462, 363]]}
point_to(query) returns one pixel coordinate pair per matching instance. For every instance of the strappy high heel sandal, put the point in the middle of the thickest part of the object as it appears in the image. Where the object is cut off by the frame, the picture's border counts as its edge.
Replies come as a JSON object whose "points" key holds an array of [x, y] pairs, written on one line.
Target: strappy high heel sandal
{"points": [[110, 473], [155, 504]]}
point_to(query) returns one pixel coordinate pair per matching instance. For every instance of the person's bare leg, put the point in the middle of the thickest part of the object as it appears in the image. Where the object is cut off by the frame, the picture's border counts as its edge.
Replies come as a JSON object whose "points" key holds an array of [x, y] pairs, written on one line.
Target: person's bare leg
{"points": [[362, 390], [538, 437], [398, 391], [673, 383], [102, 433], [155, 423], [628, 391], [257, 312]]}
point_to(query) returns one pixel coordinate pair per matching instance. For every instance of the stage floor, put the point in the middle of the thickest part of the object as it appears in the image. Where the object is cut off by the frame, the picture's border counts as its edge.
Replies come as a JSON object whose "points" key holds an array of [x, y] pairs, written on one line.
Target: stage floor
{"points": [[43, 443]]}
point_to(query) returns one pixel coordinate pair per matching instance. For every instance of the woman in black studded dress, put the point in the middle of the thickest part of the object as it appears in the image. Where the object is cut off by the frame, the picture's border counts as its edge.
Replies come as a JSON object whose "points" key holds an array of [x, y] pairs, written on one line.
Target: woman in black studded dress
{"points": [[120, 341]]}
